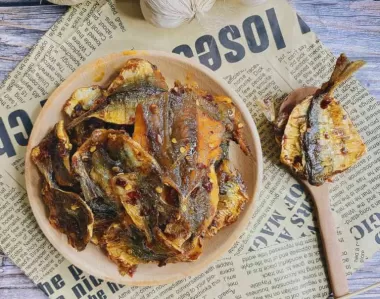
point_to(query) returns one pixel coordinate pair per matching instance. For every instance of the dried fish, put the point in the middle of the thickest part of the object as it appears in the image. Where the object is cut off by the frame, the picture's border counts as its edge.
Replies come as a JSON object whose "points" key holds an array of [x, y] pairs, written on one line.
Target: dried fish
{"points": [[320, 140], [152, 197]]}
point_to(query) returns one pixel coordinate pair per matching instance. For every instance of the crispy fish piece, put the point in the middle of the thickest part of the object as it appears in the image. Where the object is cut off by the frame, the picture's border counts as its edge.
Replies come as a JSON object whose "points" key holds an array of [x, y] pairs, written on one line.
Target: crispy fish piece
{"points": [[220, 108], [82, 100], [147, 199], [186, 145], [195, 215], [199, 209], [320, 140], [105, 208], [125, 186], [232, 197], [94, 169], [168, 129], [182, 138], [118, 109], [69, 214], [141, 198], [192, 250], [332, 142], [210, 137], [292, 152], [103, 164], [52, 156], [138, 74], [138, 81], [126, 247]]}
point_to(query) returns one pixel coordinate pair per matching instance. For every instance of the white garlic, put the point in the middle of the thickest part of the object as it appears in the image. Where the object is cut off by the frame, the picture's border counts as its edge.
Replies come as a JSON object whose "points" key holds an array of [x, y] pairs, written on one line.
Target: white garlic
{"points": [[172, 13], [66, 2], [252, 2]]}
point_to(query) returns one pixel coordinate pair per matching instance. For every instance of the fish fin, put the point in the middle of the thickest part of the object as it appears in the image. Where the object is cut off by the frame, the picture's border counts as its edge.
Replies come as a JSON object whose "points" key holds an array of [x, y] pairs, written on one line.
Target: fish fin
{"points": [[344, 68]]}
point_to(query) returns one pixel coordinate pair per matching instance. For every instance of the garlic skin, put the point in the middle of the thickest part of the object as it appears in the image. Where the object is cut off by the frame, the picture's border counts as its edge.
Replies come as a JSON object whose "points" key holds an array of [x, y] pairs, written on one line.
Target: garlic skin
{"points": [[173, 13], [66, 2], [253, 2]]}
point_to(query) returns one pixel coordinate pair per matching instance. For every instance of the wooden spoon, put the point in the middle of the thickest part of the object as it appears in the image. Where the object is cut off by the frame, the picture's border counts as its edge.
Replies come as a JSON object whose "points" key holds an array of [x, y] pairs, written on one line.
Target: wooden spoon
{"points": [[327, 226]]}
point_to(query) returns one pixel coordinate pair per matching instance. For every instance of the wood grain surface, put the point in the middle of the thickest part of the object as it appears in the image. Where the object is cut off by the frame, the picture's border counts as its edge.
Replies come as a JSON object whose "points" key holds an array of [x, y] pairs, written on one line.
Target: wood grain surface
{"points": [[346, 26]]}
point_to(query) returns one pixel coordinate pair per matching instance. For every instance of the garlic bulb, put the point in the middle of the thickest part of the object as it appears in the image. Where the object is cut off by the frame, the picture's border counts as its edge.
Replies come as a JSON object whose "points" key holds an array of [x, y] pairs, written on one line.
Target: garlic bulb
{"points": [[66, 2], [172, 13], [252, 2]]}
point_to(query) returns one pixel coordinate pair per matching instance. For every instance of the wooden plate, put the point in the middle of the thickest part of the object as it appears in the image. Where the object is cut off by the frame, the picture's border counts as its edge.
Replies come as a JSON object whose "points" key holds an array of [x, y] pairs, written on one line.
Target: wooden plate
{"points": [[173, 67]]}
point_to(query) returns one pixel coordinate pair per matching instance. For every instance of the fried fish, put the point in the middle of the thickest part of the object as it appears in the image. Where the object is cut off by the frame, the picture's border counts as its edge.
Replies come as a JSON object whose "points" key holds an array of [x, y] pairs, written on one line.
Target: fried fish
{"points": [[318, 138], [152, 197]]}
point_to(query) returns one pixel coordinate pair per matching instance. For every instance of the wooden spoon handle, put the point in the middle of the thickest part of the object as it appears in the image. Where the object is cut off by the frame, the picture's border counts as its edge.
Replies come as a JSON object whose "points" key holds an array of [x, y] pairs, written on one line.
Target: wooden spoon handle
{"points": [[332, 247]]}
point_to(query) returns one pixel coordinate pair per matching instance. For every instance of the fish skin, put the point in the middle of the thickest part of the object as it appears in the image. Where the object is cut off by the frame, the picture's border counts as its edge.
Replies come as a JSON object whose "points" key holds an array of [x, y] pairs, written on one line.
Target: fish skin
{"points": [[138, 81], [82, 100], [169, 163], [52, 157], [332, 143], [136, 74], [232, 197], [69, 214], [292, 149], [126, 247], [320, 140]]}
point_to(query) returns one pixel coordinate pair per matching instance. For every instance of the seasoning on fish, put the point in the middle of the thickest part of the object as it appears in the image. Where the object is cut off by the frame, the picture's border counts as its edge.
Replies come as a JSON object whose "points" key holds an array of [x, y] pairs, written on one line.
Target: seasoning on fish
{"points": [[138, 169], [318, 139]]}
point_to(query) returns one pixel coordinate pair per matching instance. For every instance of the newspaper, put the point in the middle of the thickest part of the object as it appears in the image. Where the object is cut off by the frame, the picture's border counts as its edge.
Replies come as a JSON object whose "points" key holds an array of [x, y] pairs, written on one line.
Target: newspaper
{"points": [[262, 51]]}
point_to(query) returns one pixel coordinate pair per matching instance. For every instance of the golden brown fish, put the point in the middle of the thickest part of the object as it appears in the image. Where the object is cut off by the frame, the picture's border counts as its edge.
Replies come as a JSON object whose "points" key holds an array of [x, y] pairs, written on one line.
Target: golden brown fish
{"points": [[69, 214], [320, 140], [138, 74], [52, 157], [82, 100], [126, 246], [151, 198], [232, 197]]}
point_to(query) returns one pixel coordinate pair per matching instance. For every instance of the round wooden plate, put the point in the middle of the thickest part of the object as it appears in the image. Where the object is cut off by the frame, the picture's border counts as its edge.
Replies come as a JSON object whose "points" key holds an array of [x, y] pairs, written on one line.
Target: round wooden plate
{"points": [[173, 67]]}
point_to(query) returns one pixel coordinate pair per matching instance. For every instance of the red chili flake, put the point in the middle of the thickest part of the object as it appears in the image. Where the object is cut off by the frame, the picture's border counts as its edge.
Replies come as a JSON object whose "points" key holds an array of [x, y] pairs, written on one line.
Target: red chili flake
{"points": [[194, 192], [120, 182], [209, 97], [201, 166], [207, 185], [325, 102], [344, 151], [326, 136], [133, 197], [131, 270]]}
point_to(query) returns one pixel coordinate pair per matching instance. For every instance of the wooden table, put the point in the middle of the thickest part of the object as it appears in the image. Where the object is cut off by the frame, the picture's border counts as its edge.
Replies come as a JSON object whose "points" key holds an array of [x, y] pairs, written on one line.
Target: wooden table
{"points": [[346, 26]]}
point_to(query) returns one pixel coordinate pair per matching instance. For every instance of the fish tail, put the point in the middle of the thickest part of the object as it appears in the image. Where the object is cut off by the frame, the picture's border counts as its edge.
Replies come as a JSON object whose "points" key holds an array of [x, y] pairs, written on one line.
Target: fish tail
{"points": [[344, 68]]}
